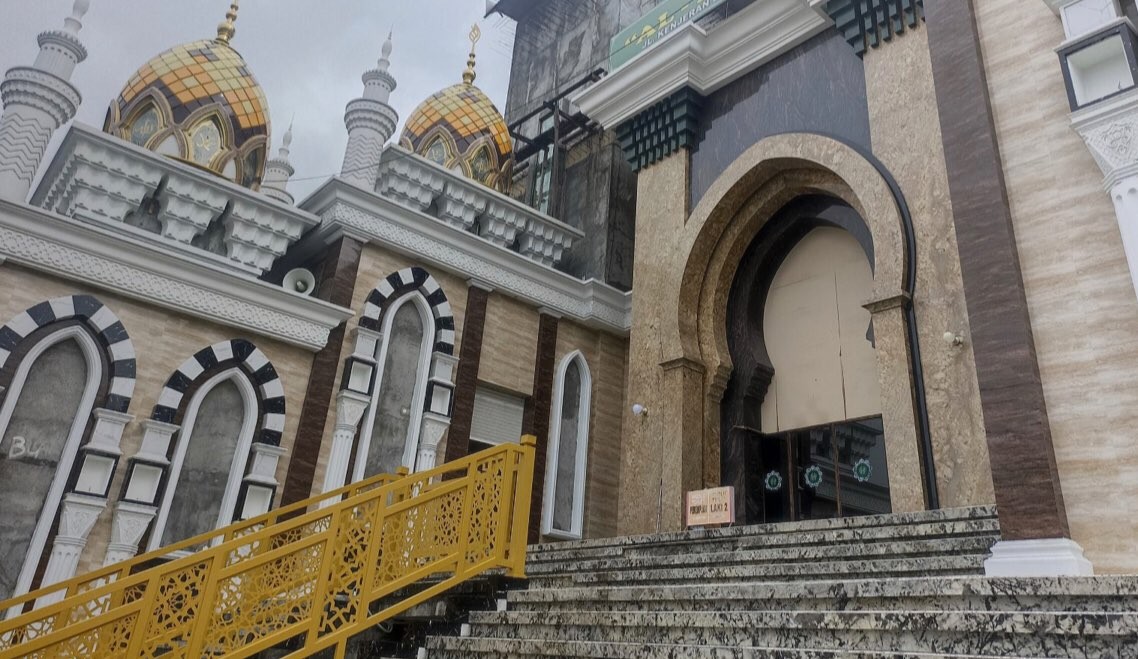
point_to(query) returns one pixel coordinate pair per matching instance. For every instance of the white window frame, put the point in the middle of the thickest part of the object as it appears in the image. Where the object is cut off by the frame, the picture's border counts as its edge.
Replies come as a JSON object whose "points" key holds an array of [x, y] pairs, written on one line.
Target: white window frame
{"points": [[240, 456], [92, 353], [584, 420], [418, 400]]}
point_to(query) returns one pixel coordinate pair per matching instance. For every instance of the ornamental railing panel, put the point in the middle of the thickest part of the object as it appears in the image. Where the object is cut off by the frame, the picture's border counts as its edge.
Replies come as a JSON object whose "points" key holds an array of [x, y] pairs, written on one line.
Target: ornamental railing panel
{"points": [[314, 574]]}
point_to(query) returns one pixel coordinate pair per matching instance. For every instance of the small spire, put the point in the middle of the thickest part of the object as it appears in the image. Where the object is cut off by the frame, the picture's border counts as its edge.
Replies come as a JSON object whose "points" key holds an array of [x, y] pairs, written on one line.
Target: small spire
{"points": [[227, 28], [286, 144], [385, 60], [74, 23], [468, 75]]}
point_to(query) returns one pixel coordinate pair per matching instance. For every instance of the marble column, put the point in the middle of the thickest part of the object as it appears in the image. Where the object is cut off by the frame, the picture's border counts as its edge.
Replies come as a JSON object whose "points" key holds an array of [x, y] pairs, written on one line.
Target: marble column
{"points": [[350, 408], [682, 449], [77, 515], [129, 525]]}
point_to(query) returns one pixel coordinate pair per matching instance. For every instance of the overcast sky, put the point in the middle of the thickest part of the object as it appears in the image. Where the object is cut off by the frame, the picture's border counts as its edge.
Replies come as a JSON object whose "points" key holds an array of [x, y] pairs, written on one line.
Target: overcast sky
{"points": [[307, 54]]}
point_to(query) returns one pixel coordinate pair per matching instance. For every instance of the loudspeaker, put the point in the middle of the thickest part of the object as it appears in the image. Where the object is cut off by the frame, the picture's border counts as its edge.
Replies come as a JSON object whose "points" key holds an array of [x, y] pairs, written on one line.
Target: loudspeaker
{"points": [[301, 281]]}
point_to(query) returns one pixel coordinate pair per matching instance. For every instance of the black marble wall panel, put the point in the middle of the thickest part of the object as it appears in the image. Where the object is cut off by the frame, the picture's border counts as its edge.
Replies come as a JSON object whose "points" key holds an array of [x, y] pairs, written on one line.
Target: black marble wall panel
{"points": [[817, 87], [600, 199]]}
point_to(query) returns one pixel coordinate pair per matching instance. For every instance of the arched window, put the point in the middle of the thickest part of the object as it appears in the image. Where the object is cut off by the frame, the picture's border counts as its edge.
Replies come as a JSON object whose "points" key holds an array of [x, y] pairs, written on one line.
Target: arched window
{"points": [[390, 434], [210, 456], [42, 422], [564, 504]]}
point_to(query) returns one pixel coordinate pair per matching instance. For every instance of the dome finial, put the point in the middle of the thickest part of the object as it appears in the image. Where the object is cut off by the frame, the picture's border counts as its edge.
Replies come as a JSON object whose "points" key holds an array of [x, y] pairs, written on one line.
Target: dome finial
{"points": [[385, 59], [468, 75], [74, 23], [227, 28]]}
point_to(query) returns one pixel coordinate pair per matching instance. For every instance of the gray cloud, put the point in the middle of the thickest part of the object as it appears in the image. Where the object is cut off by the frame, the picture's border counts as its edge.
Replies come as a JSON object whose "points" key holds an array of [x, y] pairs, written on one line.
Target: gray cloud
{"points": [[308, 55]]}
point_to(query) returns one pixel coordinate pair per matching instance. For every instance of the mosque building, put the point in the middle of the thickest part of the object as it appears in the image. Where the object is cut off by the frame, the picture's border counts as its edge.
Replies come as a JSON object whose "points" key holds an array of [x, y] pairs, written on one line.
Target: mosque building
{"points": [[846, 257]]}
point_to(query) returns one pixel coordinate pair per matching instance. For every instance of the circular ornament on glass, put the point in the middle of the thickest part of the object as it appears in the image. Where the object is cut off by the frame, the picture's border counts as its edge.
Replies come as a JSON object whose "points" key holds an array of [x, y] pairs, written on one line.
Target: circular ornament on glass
{"points": [[862, 470], [813, 476], [773, 481]]}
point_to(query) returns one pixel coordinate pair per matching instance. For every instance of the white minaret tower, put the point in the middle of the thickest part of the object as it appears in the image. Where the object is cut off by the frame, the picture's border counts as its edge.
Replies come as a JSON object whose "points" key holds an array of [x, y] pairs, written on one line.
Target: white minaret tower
{"points": [[37, 101], [278, 171], [371, 122]]}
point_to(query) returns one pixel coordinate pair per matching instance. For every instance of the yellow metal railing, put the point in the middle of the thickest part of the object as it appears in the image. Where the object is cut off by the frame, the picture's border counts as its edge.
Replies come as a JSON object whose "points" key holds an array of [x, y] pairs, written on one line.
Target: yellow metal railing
{"points": [[315, 573]]}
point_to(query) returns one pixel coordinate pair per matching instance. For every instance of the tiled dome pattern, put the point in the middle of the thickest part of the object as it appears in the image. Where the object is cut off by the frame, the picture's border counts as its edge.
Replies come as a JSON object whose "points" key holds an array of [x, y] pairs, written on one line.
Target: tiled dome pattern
{"points": [[185, 85], [453, 125]]}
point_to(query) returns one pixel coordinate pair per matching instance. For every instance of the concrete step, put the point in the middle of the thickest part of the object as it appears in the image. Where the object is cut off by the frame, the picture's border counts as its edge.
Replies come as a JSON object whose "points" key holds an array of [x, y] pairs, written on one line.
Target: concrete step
{"points": [[465, 648], [842, 551], [964, 564], [933, 523], [1079, 594], [1065, 635]]}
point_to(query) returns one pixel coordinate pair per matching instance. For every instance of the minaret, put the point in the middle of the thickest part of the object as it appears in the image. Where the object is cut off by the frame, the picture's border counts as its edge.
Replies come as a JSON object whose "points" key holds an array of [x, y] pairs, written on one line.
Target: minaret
{"points": [[37, 101], [278, 171], [371, 122]]}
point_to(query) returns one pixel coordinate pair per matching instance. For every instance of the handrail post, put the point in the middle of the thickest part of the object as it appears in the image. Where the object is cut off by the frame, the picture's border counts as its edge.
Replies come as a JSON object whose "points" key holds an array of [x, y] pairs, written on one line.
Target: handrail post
{"points": [[522, 501]]}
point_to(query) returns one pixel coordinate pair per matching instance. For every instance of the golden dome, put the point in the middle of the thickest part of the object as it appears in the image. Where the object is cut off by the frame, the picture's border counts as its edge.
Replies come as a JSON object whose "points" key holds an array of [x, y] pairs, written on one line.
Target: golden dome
{"points": [[199, 103], [460, 128]]}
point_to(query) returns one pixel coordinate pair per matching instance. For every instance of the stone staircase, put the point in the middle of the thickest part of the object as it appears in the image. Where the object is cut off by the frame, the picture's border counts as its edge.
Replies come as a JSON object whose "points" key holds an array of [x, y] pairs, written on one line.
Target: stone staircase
{"points": [[904, 585]]}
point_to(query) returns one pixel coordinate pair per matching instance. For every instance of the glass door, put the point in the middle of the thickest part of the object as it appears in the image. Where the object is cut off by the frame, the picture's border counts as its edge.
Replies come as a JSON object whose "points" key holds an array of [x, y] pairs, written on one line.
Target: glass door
{"points": [[831, 471]]}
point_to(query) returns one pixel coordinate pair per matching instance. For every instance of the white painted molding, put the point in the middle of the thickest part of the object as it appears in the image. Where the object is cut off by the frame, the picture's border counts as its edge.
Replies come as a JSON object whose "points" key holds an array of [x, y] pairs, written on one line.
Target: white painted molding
{"points": [[702, 59], [345, 208], [128, 524], [100, 178], [100, 256], [1110, 130], [350, 408], [77, 517], [1058, 557]]}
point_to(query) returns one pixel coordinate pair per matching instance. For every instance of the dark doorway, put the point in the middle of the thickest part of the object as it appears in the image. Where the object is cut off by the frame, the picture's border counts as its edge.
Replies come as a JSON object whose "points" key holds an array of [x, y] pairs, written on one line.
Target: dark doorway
{"points": [[836, 470]]}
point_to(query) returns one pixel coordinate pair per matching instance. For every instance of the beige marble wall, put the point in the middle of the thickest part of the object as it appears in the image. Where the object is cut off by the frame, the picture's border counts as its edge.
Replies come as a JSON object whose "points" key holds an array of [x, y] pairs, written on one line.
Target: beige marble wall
{"points": [[1084, 313], [509, 344], [661, 210], [907, 139], [162, 340]]}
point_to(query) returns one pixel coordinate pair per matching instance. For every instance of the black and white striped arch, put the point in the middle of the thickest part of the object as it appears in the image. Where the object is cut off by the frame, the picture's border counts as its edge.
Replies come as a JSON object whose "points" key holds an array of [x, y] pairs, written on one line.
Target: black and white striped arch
{"points": [[237, 353], [398, 284], [102, 322]]}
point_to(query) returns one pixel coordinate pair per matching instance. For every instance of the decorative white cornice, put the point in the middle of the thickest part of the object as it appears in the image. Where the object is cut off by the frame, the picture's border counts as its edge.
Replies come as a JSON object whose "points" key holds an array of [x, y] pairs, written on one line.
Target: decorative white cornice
{"points": [[101, 178], [100, 256], [702, 59], [1110, 130], [378, 219]]}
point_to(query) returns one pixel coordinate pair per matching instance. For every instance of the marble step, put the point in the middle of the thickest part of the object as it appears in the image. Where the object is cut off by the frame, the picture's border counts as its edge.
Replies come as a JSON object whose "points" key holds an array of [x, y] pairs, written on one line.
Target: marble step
{"points": [[465, 648], [963, 564], [845, 551], [927, 517], [986, 528], [1107, 594], [1065, 635]]}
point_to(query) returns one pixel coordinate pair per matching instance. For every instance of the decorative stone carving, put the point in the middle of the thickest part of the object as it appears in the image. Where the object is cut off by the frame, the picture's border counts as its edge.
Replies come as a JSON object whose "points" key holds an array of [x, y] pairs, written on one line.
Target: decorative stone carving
{"points": [[370, 121], [403, 178], [77, 516], [128, 525], [187, 207], [350, 408], [256, 235], [502, 222], [545, 242], [1110, 130], [460, 206], [430, 434], [99, 177]]}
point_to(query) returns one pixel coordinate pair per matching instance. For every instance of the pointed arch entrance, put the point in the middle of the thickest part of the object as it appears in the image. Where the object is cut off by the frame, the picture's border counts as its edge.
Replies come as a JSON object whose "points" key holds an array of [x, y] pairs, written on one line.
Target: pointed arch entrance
{"points": [[695, 263]]}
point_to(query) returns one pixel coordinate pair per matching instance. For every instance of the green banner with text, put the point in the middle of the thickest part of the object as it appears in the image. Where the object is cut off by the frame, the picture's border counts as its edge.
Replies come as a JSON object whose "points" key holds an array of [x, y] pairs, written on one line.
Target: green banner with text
{"points": [[665, 18]]}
